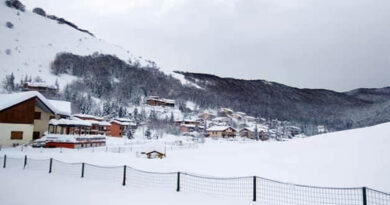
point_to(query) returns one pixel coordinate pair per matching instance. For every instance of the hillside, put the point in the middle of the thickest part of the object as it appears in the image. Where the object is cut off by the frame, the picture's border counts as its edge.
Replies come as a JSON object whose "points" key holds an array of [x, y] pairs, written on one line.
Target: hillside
{"points": [[32, 42], [35, 45]]}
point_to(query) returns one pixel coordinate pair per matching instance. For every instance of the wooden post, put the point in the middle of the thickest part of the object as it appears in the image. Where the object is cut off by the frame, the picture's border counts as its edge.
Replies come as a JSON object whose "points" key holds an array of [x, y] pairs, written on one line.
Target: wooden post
{"points": [[124, 175], [82, 170], [25, 161], [254, 188], [51, 165], [5, 161], [178, 182], [364, 189]]}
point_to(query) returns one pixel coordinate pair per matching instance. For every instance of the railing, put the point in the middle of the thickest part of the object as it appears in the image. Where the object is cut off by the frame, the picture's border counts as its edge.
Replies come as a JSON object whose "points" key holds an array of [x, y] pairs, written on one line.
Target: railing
{"points": [[253, 188]]}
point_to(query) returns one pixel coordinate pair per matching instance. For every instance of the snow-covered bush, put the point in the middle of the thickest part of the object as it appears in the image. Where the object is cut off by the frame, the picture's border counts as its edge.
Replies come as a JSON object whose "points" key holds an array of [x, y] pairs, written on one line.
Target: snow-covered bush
{"points": [[39, 11], [15, 4], [9, 25]]}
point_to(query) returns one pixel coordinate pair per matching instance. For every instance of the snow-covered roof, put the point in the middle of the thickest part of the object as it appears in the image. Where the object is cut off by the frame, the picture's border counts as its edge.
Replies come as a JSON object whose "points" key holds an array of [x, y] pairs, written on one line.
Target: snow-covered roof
{"points": [[250, 118], [40, 84], [71, 138], [104, 123], [241, 113], [63, 106], [122, 119], [9, 100], [219, 128], [80, 115], [188, 125], [156, 98], [120, 123], [224, 119], [73, 122]]}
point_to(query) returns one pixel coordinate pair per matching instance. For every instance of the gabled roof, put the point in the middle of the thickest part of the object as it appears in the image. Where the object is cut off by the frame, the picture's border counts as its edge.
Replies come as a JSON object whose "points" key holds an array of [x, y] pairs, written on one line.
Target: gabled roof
{"points": [[122, 123], [9, 100], [40, 85], [63, 106], [219, 128], [122, 119], [70, 122], [80, 115]]}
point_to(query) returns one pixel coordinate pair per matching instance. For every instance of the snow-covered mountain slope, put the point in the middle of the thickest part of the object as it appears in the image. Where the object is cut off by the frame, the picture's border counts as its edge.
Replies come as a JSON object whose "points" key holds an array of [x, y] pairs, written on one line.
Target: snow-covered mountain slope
{"points": [[32, 43]]}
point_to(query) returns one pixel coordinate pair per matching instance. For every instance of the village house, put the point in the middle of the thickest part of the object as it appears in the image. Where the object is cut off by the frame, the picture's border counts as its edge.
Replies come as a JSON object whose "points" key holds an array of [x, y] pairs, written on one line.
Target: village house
{"points": [[42, 87], [221, 132], [71, 126], [250, 133], [220, 121], [225, 112], [250, 119], [121, 127], [25, 117], [99, 126], [247, 132], [187, 125], [292, 130], [157, 101], [71, 133], [206, 116]]}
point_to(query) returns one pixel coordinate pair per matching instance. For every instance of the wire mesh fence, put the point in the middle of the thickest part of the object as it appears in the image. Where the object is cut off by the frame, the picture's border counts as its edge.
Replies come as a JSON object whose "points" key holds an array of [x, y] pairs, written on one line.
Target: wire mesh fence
{"points": [[2, 160], [273, 192], [144, 179], [239, 187], [264, 191], [65, 168], [42, 165], [14, 162], [375, 197], [114, 174]]}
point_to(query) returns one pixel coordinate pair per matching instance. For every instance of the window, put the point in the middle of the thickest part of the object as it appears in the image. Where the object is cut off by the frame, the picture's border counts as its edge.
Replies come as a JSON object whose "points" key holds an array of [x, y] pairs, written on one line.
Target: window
{"points": [[37, 115], [36, 135], [16, 135], [52, 117]]}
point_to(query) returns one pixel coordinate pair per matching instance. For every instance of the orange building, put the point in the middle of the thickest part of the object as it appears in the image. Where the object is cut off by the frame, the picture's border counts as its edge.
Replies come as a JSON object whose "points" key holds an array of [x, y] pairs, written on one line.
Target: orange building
{"points": [[120, 127]]}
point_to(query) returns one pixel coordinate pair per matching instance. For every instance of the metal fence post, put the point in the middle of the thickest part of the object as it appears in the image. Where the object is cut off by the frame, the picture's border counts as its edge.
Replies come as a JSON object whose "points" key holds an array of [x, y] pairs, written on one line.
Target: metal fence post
{"points": [[254, 188], [124, 176], [51, 164], [25, 161], [178, 182], [364, 189], [82, 170], [5, 161]]}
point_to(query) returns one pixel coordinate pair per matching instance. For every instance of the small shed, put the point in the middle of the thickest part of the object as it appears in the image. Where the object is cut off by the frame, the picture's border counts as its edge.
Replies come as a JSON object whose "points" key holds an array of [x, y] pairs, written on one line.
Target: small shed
{"points": [[155, 154]]}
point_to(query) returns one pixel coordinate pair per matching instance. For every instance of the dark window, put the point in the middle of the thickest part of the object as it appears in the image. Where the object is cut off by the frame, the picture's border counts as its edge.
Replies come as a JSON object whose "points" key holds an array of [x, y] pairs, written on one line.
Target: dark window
{"points": [[16, 135], [37, 115], [52, 117], [36, 135]]}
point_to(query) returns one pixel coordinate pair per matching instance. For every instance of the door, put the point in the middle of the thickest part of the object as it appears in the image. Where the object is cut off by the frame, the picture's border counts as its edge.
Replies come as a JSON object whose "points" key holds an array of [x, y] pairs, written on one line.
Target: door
{"points": [[36, 135]]}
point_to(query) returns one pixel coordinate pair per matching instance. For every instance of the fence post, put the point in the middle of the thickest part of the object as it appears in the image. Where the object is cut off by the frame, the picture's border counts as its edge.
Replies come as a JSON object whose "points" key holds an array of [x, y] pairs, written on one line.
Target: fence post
{"points": [[124, 176], [178, 182], [364, 189], [51, 164], [254, 188], [25, 161], [82, 170], [5, 161]]}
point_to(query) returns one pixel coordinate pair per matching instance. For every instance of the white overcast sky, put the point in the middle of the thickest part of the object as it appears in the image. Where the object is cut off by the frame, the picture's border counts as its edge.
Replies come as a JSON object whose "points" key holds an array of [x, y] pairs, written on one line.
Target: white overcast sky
{"points": [[333, 44]]}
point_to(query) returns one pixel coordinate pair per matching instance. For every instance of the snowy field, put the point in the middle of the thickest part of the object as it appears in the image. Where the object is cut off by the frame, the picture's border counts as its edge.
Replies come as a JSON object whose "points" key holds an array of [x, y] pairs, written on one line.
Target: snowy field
{"points": [[353, 158], [42, 188]]}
